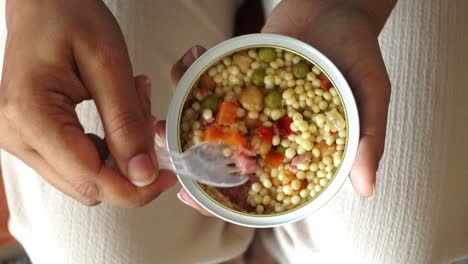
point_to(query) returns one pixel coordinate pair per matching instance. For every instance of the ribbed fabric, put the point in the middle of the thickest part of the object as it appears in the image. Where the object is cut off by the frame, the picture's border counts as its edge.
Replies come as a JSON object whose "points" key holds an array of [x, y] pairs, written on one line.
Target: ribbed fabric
{"points": [[420, 210]]}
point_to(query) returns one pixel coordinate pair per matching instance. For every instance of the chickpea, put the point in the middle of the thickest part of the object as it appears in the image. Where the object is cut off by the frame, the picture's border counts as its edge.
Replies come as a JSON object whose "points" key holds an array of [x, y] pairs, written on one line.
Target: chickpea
{"points": [[252, 99], [242, 60]]}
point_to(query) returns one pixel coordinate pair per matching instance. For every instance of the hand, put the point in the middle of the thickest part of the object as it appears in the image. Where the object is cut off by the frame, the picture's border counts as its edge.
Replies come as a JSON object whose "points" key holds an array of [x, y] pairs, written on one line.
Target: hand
{"points": [[55, 58], [347, 33], [177, 72]]}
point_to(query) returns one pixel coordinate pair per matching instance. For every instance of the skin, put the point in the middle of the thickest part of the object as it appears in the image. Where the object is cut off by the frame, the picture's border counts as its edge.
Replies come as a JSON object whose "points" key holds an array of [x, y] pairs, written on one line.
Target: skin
{"points": [[79, 56]]}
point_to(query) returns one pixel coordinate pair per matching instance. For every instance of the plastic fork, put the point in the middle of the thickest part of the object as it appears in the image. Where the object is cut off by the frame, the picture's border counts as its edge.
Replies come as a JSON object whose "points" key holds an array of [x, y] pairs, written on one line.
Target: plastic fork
{"points": [[204, 163]]}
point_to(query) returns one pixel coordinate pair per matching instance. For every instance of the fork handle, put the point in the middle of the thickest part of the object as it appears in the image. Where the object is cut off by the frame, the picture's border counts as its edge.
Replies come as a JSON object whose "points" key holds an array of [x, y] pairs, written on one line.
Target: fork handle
{"points": [[164, 160]]}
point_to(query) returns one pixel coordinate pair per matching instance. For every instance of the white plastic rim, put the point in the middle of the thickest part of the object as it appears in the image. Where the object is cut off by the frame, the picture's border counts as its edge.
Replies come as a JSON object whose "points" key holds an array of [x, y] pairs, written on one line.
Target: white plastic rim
{"points": [[315, 57]]}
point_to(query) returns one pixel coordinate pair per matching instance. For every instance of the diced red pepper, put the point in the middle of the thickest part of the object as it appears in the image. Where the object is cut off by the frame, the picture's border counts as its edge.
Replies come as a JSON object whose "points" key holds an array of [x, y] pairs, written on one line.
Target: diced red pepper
{"points": [[304, 184], [284, 126], [203, 92], [324, 82], [265, 133], [212, 133], [234, 138], [274, 159], [227, 113]]}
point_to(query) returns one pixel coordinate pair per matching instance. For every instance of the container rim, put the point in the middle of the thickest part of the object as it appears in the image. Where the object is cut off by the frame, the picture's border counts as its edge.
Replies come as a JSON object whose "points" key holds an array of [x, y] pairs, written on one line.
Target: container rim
{"points": [[310, 53]]}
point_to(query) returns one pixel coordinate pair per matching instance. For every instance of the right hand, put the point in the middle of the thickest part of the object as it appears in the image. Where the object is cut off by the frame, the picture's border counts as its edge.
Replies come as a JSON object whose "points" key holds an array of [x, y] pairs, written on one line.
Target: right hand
{"points": [[58, 54]]}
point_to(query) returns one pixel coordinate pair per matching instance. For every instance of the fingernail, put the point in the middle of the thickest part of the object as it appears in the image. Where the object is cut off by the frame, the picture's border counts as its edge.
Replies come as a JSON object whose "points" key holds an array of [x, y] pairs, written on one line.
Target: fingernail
{"points": [[141, 171], [373, 191], [190, 56], [182, 200], [195, 52], [146, 182]]}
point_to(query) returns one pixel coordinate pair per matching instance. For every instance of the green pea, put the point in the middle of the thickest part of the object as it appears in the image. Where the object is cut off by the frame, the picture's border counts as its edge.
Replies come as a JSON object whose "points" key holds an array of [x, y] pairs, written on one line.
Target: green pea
{"points": [[267, 54], [210, 102], [280, 148], [300, 70], [273, 100], [258, 76]]}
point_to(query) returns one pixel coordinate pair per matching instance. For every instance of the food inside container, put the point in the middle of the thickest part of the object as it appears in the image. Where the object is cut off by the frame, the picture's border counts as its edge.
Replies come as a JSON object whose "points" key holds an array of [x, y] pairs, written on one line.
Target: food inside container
{"points": [[283, 120]]}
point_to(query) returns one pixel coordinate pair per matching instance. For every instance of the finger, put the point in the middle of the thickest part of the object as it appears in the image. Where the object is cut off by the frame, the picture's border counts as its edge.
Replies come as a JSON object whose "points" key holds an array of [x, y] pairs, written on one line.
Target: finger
{"points": [[143, 87], [184, 63], [160, 134], [372, 90], [160, 137], [80, 173], [100, 145], [187, 199], [105, 69]]}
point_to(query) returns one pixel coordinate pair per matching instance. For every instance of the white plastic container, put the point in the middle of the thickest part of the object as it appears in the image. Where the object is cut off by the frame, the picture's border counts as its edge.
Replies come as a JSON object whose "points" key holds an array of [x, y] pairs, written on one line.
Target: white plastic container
{"points": [[309, 53]]}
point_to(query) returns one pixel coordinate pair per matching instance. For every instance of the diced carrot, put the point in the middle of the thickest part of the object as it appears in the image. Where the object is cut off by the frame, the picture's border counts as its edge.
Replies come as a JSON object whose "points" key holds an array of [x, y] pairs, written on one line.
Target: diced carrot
{"points": [[274, 159], [324, 82], [227, 113], [212, 133], [234, 138]]}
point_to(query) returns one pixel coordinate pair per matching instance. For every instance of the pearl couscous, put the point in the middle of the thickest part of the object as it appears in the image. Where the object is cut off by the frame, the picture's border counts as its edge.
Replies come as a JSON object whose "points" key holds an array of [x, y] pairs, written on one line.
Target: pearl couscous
{"points": [[283, 119]]}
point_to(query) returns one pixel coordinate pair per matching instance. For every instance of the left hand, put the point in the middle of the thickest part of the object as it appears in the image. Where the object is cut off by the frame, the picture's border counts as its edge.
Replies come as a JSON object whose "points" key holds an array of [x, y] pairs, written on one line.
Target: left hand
{"points": [[160, 127]]}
